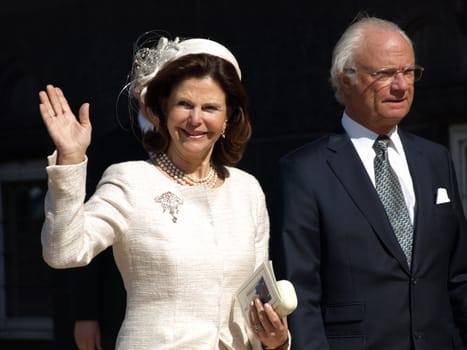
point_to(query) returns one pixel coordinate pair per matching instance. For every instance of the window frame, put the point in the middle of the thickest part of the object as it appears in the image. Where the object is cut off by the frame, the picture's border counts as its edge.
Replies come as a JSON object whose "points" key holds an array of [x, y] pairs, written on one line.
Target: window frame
{"points": [[458, 148], [20, 328]]}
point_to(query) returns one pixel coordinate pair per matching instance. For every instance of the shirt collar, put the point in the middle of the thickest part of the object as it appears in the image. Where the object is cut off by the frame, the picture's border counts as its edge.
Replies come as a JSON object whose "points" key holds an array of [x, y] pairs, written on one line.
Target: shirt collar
{"points": [[359, 133]]}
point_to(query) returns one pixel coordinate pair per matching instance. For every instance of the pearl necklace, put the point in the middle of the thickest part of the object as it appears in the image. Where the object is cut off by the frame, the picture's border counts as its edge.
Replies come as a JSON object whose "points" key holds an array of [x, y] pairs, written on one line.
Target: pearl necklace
{"points": [[163, 161]]}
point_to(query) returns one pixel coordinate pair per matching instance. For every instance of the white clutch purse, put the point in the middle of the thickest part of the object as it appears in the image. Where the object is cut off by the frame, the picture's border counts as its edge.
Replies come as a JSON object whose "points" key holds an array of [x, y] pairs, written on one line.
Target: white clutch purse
{"points": [[288, 298], [262, 284]]}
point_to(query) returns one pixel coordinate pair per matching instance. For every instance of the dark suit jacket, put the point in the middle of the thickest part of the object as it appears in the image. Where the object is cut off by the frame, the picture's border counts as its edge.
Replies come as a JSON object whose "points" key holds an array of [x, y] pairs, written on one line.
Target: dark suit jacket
{"points": [[354, 287]]}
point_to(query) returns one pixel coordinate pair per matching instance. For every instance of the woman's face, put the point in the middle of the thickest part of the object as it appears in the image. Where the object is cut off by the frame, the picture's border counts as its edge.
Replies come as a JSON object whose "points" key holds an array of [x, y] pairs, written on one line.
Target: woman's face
{"points": [[196, 117]]}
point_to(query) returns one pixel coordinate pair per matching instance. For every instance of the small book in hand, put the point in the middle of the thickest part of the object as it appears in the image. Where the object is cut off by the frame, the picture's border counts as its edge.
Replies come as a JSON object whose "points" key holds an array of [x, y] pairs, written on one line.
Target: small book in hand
{"points": [[262, 284]]}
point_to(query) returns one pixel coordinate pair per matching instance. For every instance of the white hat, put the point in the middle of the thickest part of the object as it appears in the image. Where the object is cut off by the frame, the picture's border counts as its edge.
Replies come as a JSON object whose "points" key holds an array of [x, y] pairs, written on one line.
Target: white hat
{"points": [[149, 61], [191, 46]]}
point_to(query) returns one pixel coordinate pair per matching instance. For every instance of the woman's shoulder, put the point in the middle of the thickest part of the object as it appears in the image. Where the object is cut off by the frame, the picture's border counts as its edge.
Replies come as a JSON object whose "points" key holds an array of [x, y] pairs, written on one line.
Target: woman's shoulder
{"points": [[130, 169], [131, 164], [241, 177], [128, 166], [244, 187], [237, 173]]}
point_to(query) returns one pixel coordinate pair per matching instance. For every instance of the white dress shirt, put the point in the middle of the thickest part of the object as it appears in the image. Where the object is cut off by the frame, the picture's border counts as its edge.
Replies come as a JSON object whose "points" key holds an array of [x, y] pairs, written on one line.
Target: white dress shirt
{"points": [[363, 140]]}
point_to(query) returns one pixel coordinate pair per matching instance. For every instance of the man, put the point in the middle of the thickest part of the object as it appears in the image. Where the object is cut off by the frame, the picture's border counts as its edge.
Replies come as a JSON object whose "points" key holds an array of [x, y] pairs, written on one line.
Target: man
{"points": [[377, 251]]}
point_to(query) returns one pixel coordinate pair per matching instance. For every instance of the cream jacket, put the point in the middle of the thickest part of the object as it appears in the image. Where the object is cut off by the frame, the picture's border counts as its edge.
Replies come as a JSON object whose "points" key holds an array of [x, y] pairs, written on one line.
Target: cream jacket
{"points": [[182, 251]]}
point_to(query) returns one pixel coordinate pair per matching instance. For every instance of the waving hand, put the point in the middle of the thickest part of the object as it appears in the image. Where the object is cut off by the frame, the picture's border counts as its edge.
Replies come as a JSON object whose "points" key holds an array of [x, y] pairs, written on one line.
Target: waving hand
{"points": [[71, 136]]}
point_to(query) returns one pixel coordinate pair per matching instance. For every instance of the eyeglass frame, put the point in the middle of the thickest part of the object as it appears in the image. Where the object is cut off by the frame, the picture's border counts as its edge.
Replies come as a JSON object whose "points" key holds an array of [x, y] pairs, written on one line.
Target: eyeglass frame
{"points": [[386, 74]]}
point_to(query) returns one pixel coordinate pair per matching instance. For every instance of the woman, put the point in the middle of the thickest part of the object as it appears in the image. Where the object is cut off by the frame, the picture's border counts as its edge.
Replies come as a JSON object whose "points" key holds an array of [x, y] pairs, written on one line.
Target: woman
{"points": [[186, 227]]}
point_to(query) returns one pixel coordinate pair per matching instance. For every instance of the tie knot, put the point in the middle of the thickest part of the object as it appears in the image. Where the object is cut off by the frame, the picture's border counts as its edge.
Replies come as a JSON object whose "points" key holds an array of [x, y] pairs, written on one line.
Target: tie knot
{"points": [[381, 144]]}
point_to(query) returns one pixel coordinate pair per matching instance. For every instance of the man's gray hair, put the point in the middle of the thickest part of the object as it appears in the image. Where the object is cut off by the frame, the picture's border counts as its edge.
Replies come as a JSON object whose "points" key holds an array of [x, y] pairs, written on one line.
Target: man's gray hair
{"points": [[344, 52]]}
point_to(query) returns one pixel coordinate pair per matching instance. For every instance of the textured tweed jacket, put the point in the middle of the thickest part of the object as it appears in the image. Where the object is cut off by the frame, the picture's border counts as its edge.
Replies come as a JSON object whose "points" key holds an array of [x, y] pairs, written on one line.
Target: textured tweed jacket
{"points": [[182, 251]]}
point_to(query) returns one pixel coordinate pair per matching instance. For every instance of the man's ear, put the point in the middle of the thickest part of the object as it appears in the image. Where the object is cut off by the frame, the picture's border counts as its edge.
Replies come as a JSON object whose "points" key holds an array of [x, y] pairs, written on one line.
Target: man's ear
{"points": [[345, 82]]}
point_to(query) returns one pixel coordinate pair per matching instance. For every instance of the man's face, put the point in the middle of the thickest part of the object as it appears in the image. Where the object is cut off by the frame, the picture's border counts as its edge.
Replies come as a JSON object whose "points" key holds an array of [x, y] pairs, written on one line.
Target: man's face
{"points": [[382, 89]]}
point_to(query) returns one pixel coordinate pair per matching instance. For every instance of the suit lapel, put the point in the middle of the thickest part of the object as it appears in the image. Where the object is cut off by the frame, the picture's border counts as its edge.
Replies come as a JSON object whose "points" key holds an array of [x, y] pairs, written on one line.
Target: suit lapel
{"points": [[348, 168]]}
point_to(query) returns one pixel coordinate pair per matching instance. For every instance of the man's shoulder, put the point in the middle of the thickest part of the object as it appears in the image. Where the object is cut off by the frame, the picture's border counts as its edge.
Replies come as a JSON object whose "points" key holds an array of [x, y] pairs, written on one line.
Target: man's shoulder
{"points": [[314, 148], [423, 144]]}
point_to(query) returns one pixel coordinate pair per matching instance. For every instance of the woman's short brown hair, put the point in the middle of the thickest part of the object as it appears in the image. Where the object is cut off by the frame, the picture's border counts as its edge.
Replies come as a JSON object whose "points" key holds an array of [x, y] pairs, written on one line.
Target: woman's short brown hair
{"points": [[228, 150]]}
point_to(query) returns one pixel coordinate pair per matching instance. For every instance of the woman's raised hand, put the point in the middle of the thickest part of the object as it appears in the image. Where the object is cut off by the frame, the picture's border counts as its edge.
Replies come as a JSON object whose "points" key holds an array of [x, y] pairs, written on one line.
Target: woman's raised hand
{"points": [[71, 136]]}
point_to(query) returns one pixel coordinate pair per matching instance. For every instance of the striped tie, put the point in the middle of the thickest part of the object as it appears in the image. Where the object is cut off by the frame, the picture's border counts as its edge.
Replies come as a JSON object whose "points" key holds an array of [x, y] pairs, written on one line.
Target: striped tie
{"points": [[390, 193]]}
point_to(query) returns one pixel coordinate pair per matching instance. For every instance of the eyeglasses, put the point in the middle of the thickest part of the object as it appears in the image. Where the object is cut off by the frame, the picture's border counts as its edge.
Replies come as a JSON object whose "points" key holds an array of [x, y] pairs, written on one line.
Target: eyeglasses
{"points": [[410, 73]]}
